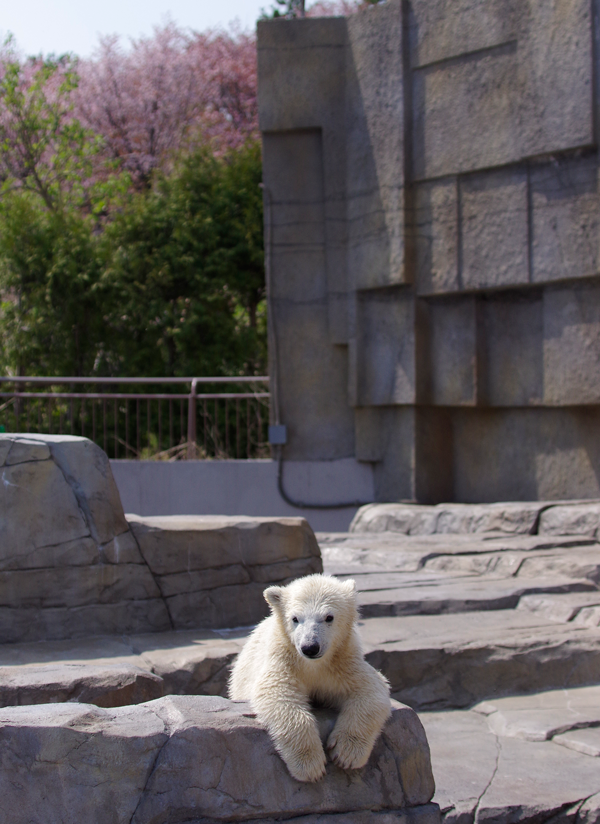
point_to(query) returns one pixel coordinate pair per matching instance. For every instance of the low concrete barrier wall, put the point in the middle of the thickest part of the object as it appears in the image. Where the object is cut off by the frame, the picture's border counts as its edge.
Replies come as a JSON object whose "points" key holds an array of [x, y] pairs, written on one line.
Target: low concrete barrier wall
{"points": [[244, 488]]}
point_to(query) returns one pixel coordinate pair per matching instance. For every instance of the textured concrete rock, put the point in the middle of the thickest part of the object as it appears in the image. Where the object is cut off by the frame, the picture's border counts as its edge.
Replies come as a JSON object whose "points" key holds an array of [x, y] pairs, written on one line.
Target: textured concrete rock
{"points": [[436, 242], [177, 759], [122, 549], [105, 685], [540, 717], [375, 214], [530, 755], [25, 449], [87, 470], [452, 327], [431, 660], [71, 566], [236, 606], [526, 453], [589, 811], [434, 597], [437, 654], [563, 608], [460, 782], [580, 564], [443, 661], [511, 518], [577, 519], [384, 324], [479, 774], [437, 33], [565, 218], [185, 543], [190, 663], [118, 670], [39, 510], [495, 242], [571, 339], [586, 741], [212, 570], [53, 623], [76, 586], [537, 782], [588, 616], [73, 763], [65, 544], [438, 649], [511, 363], [492, 104]]}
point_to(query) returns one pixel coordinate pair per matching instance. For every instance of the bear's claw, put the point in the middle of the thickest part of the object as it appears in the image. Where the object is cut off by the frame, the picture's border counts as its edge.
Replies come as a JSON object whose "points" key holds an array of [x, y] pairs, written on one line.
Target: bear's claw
{"points": [[347, 751], [309, 769]]}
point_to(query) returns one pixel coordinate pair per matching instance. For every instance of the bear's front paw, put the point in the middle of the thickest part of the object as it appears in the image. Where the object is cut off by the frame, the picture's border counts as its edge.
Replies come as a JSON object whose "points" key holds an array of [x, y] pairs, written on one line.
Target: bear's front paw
{"points": [[348, 751], [307, 766]]}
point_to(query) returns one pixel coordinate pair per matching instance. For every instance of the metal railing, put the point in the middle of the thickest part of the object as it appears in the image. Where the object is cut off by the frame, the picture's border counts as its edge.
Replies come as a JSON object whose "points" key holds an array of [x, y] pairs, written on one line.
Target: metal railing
{"points": [[135, 424]]}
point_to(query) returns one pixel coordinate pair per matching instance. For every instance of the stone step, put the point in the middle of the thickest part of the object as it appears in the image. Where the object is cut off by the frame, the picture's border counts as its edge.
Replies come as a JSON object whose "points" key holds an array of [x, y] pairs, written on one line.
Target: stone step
{"points": [[405, 553], [406, 575], [543, 716], [446, 635], [451, 661], [115, 671], [579, 607], [427, 597], [525, 518], [431, 661]]}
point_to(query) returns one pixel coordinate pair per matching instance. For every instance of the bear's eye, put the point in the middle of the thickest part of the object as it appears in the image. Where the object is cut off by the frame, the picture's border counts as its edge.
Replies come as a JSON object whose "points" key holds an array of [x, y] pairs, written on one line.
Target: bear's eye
{"points": [[329, 619], [294, 620]]}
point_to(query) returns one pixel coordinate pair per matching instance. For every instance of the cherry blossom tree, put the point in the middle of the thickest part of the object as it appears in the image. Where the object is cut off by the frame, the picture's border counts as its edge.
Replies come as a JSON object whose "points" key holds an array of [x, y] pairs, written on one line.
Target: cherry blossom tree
{"points": [[169, 93]]}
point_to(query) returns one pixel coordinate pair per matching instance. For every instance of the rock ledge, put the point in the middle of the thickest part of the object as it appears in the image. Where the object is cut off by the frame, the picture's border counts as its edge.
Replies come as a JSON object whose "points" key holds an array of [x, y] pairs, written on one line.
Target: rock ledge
{"points": [[192, 758]]}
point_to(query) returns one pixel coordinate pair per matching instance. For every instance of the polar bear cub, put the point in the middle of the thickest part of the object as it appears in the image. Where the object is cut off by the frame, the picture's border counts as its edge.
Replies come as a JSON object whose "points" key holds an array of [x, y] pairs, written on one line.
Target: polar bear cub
{"points": [[308, 652]]}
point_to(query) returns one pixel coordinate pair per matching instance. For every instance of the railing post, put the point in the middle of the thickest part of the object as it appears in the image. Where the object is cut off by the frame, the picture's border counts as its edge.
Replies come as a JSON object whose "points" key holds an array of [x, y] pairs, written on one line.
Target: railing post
{"points": [[191, 427]]}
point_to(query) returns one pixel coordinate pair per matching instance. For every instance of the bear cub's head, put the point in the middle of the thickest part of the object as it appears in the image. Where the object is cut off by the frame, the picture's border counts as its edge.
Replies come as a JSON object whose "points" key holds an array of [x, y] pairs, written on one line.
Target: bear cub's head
{"points": [[317, 612]]}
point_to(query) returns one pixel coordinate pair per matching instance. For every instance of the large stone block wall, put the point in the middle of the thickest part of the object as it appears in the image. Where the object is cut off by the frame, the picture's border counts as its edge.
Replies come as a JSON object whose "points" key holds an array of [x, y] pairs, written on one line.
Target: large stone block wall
{"points": [[432, 173]]}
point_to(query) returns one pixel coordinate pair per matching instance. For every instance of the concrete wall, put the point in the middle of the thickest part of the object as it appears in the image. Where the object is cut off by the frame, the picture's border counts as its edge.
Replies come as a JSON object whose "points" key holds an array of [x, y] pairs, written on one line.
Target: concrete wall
{"points": [[433, 174], [244, 488]]}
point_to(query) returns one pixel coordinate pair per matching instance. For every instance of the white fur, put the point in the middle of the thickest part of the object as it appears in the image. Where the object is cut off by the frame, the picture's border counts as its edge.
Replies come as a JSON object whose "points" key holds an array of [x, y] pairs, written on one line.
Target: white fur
{"points": [[281, 682]]}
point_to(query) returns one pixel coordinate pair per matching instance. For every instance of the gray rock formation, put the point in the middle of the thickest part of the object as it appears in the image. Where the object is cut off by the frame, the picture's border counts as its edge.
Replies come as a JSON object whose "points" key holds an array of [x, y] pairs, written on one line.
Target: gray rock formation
{"points": [[493, 635], [450, 619], [510, 518], [557, 519], [72, 565], [530, 758], [195, 759], [69, 564], [213, 570]]}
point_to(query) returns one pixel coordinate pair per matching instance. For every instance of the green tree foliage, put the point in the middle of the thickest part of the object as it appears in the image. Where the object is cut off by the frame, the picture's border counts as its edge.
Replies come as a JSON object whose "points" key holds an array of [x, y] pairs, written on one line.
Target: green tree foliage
{"points": [[96, 278], [318, 8], [184, 267], [286, 8]]}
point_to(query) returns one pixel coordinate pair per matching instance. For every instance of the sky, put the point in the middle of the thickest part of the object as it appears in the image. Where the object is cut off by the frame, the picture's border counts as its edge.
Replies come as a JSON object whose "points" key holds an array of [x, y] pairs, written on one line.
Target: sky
{"points": [[58, 26]]}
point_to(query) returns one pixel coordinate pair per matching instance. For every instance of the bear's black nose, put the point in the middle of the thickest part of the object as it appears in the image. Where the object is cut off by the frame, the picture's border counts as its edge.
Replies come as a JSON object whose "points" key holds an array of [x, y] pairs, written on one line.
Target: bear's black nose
{"points": [[311, 651]]}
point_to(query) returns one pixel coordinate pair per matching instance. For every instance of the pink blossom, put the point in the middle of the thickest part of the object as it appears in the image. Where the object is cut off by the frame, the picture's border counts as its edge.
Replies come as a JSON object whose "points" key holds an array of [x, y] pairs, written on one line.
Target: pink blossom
{"points": [[169, 92]]}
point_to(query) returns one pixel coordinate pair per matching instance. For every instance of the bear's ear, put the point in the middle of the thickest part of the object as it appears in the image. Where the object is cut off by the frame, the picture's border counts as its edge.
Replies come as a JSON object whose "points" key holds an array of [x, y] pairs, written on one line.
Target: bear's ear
{"points": [[349, 587], [273, 596]]}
